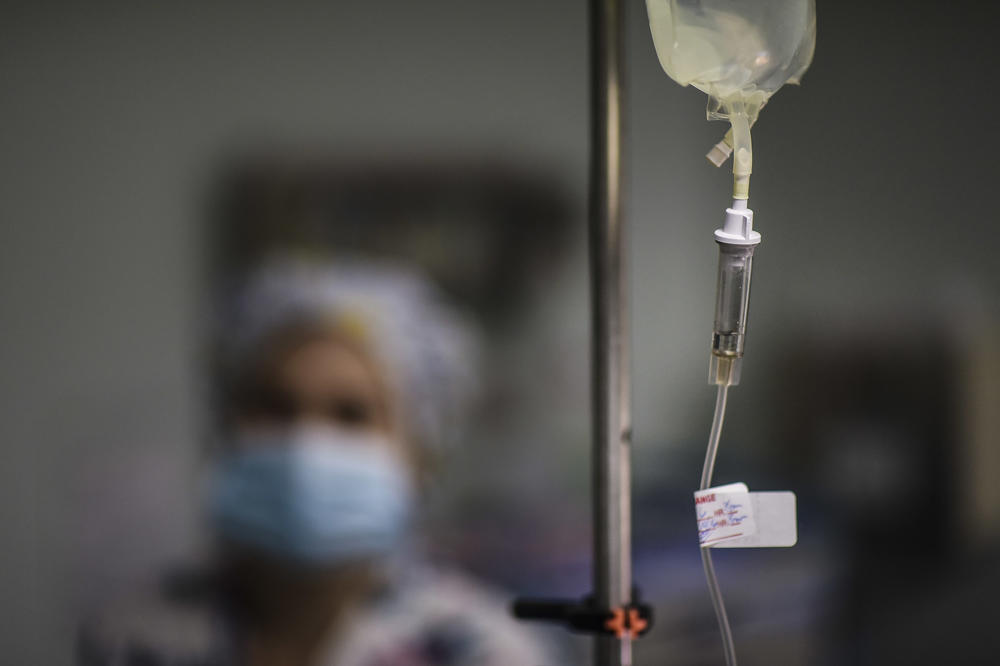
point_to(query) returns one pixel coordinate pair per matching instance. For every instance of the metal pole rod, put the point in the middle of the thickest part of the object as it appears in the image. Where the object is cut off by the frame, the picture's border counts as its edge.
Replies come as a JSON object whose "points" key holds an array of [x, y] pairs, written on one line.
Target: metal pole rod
{"points": [[612, 421]]}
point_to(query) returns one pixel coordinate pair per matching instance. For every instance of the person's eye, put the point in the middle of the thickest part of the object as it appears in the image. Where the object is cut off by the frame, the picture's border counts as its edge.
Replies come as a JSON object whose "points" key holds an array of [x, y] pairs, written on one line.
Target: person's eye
{"points": [[351, 412], [272, 405]]}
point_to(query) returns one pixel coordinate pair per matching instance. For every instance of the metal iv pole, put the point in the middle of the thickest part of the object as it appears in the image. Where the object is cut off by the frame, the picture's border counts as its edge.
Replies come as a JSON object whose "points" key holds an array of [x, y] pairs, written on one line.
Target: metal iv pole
{"points": [[610, 372], [613, 612]]}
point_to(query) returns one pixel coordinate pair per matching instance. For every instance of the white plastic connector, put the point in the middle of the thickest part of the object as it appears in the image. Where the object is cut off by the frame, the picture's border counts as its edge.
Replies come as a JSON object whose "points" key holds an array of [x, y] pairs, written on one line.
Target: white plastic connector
{"points": [[737, 229], [720, 152]]}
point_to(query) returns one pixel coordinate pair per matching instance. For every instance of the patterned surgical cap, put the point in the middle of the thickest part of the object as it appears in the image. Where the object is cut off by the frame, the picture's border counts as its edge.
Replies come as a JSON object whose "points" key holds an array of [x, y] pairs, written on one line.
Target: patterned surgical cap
{"points": [[428, 350]]}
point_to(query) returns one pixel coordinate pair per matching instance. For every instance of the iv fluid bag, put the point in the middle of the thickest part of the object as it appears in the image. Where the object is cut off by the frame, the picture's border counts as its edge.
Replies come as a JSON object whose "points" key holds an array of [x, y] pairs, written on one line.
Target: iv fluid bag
{"points": [[739, 52]]}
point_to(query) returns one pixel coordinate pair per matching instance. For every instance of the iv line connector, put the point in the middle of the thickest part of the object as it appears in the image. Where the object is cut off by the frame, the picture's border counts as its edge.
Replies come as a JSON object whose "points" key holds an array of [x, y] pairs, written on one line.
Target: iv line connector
{"points": [[737, 241]]}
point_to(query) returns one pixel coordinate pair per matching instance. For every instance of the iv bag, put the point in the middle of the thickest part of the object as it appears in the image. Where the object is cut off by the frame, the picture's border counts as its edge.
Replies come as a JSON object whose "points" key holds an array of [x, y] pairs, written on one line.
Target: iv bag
{"points": [[739, 52]]}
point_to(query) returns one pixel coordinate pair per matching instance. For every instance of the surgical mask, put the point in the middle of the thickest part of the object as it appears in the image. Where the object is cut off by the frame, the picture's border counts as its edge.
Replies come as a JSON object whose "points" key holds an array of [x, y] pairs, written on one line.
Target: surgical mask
{"points": [[315, 495]]}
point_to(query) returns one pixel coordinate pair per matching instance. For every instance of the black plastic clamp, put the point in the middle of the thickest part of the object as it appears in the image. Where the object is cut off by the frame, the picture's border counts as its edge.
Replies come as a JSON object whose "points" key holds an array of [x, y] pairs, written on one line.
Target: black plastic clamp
{"points": [[584, 616]]}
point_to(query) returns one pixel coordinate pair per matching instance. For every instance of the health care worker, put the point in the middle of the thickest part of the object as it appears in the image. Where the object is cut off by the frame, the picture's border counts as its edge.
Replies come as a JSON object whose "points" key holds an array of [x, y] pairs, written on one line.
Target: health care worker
{"points": [[342, 381]]}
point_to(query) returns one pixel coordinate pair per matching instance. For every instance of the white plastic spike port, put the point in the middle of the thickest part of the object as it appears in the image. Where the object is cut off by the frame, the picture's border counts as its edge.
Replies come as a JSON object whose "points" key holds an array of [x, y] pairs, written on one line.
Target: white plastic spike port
{"points": [[737, 229]]}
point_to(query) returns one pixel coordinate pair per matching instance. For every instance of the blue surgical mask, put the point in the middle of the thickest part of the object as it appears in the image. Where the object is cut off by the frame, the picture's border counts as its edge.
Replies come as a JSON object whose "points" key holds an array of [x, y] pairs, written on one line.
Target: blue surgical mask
{"points": [[317, 495]]}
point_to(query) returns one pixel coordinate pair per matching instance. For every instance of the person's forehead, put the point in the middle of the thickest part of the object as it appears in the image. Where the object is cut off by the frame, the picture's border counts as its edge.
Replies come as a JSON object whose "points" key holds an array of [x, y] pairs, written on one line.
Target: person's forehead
{"points": [[326, 361]]}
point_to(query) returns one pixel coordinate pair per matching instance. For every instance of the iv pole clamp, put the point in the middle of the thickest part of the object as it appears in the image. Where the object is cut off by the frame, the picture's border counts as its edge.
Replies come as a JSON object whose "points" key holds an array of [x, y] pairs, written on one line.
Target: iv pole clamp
{"points": [[613, 612], [585, 616]]}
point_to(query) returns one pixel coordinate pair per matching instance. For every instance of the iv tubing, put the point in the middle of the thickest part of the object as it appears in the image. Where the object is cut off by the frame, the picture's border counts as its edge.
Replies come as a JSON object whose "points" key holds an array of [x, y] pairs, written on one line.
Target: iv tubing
{"points": [[706, 553], [742, 150]]}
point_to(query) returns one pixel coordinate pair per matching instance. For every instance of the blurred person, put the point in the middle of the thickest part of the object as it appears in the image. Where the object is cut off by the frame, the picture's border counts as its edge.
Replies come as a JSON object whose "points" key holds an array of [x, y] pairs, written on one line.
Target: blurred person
{"points": [[341, 383]]}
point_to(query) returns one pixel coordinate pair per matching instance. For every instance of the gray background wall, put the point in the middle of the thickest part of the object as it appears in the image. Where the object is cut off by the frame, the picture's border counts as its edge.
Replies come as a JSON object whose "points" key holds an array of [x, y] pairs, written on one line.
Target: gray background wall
{"points": [[873, 188]]}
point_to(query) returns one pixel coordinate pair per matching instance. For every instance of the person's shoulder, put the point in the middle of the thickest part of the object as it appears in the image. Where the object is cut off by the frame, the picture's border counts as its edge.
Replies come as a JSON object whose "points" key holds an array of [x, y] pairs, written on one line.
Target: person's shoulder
{"points": [[457, 610], [448, 590], [150, 626]]}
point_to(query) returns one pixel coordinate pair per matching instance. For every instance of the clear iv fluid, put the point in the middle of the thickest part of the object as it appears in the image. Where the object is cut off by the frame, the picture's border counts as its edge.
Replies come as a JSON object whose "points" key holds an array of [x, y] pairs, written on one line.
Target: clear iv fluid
{"points": [[706, 59], [736, 51]]}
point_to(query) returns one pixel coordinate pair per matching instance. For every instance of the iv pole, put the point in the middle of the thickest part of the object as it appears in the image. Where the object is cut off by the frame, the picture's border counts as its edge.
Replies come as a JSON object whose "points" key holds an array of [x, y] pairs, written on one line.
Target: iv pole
{"points": [[613, 613], [610, 371]]}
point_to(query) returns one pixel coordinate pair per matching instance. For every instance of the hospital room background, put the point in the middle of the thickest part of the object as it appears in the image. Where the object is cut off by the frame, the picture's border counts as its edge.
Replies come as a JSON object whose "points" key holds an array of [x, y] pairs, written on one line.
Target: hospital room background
{"points": [[149, 151]]}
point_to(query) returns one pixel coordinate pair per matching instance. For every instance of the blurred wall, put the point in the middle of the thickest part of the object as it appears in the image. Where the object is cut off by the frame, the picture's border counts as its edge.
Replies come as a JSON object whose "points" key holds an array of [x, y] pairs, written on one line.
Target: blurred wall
{"points": [[872, 189]]}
